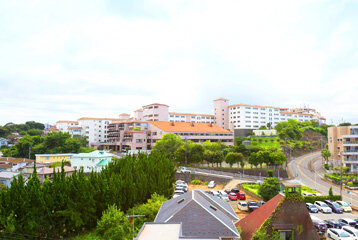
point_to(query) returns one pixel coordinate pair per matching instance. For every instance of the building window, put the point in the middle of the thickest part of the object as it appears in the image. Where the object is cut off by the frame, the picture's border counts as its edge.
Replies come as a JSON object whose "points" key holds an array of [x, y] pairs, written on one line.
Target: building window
{"points": [[285, 235]]}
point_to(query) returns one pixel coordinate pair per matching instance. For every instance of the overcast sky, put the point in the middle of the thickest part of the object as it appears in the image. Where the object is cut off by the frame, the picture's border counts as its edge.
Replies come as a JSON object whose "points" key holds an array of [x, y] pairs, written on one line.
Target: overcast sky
{"points": [[70, 59]]}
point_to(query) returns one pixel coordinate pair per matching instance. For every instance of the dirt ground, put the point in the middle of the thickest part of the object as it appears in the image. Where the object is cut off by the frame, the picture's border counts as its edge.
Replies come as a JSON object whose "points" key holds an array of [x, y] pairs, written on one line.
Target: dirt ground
{"points": [[232, 184]]}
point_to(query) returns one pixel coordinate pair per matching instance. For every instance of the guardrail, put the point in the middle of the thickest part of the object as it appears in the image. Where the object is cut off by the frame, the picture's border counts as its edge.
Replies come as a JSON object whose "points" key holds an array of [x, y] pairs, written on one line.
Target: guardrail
{"points": [[233, 175]]}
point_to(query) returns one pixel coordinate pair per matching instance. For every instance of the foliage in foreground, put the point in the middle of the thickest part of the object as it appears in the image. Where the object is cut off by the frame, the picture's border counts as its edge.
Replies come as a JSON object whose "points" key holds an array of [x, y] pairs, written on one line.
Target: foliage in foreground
{"points": [[269, 188], [69, 206]]}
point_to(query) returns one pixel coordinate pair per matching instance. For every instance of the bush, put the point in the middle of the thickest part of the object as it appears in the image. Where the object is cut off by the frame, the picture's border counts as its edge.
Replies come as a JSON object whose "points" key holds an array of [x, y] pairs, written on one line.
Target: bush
{"points": [[196, 182], [326, 166], [269, 188], [113, 224], [312, 199], [270, 173]]}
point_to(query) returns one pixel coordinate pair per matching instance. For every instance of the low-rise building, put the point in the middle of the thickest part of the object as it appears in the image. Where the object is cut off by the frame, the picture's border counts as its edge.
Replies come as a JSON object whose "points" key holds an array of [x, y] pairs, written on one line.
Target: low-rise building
{"points": [[193, 215], [48, 172], [343, 145], [285, 214], [271, 132], [7, 177], [15, 163], [51, 158], [142, 135], [93, 161], [3, 142]]}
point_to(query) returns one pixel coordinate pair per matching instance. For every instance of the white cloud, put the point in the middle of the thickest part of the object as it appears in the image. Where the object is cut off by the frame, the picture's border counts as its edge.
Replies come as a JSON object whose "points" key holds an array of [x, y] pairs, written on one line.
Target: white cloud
{"points": [[68, 59]]}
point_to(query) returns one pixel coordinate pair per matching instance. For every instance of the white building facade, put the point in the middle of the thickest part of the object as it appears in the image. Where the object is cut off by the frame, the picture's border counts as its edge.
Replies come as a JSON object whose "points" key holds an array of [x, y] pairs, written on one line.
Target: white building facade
{"points": [[93, 161]]}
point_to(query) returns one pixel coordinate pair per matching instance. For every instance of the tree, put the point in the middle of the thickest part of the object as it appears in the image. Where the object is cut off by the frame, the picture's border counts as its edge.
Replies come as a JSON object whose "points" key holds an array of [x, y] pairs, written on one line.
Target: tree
{"points": [[330, 192], [254, 159], [269, 188], [289, 129], [345, 124], [113, 225], [232, 158], [326, 154], [277, 158], [34, 132], [169, 144], [269, 125]]}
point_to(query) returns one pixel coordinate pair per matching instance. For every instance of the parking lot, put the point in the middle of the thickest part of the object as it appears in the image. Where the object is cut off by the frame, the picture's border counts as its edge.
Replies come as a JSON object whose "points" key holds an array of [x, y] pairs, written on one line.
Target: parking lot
{"points": [[335, 216]]}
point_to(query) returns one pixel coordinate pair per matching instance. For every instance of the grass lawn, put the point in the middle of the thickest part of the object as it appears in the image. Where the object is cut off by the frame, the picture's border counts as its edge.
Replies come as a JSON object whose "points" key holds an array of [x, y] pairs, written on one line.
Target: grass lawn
{"points": [[271, 142], [254, 188], [307, 189]]}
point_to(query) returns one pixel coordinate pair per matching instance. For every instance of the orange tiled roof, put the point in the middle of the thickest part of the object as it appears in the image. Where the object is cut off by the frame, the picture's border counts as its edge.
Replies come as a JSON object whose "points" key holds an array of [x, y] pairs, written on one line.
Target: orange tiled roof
{"points": [[124, 114], [74, 128], [252, 222], [112, 119], [65, 121], [53, 129], [15, 160], [139, 110], [191, 114], [156, 104], [296, 113], [224, 99], [188, 127], [249, 105]]}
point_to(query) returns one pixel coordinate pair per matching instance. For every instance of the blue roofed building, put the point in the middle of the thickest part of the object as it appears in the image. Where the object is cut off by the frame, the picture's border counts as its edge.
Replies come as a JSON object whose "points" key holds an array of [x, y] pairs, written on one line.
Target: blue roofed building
{"points": [[93, 161]]}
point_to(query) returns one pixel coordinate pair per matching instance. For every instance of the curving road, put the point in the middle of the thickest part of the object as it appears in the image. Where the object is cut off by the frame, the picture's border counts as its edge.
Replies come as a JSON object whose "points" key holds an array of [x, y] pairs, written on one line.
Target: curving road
{"points": [[313, 179]]}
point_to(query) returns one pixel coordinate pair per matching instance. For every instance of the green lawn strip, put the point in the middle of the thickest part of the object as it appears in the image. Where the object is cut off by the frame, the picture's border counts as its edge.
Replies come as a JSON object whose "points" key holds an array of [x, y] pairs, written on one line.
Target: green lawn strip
{"points": [[272, 142]]}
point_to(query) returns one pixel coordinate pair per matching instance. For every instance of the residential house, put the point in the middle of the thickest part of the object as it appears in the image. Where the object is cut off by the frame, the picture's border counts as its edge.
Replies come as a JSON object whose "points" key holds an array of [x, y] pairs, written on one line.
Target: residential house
{"points": [[193, 215], [285, 214], [15, 163], [93, 161], [47, 172], [3, 142], [7, 177], [51, 158]]}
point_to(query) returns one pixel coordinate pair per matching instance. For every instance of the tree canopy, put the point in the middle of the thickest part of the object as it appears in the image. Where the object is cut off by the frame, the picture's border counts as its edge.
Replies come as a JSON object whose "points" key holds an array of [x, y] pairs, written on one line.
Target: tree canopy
{"points": [[269, 188]]}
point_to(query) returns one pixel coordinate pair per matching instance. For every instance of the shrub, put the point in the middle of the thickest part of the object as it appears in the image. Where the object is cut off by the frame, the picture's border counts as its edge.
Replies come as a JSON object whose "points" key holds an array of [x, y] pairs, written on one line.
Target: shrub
{"points": [[269, 173], [326, 166], [269, 188], [312, 199], [196, 182], [330, 192]]}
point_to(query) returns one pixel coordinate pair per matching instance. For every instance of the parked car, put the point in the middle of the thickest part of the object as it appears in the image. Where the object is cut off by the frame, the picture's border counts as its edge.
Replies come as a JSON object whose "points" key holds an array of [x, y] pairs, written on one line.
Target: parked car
{"points": [[211, 184], [252, 206], [242, 205], [311, 208], [232, 196], [177, 193], [338, 234], [184, 170], [184, 186], [334, 206], [331, 223], [345, 206], [215, 193], [179, 182], [353, 232], [260, 203], [227, 191], [347, 222], [235, 190], [323, 207], [241, 196], [223, 195], [320, 226]]}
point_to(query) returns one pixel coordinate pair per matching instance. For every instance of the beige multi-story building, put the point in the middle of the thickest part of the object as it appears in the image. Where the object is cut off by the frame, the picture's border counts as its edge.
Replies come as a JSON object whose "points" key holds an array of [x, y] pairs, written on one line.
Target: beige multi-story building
{"points": [[142, 135], [343, 145]]}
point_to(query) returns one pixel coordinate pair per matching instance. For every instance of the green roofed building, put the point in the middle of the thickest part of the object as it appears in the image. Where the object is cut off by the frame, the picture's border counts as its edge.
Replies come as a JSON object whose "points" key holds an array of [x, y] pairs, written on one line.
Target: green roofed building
{"points": [[93, 161]]}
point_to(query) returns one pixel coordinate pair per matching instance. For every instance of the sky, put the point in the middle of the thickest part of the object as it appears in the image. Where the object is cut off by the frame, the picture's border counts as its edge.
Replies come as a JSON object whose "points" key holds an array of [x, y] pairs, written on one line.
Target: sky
{"points": [[62, 60]]}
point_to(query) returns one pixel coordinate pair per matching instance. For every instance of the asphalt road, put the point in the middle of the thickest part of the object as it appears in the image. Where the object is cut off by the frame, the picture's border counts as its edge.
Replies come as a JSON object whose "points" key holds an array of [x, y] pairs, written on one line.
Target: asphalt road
{"points": [[313, 179]]}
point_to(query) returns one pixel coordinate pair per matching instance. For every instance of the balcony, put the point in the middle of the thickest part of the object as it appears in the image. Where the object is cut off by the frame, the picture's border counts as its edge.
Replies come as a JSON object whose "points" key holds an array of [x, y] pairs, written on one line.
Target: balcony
{"points": [[355, 136]]}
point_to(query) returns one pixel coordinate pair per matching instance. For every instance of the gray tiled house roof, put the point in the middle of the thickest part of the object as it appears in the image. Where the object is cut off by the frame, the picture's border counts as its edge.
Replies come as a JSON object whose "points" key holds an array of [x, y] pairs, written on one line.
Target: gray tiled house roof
{"points": [[201, 215]]}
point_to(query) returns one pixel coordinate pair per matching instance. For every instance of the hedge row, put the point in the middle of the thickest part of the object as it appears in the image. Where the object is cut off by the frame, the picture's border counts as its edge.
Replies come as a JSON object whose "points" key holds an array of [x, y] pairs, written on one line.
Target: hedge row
{"points": [[312, 199]]}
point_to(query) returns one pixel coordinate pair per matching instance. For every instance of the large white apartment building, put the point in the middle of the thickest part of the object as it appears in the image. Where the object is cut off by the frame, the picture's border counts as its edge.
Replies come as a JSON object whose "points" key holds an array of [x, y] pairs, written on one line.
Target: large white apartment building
{"points": [[96, 129], [242, 118]]}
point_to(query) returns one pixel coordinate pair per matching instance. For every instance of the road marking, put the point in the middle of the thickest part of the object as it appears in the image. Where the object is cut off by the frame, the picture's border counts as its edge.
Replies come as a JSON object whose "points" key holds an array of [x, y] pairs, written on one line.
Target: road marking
{"points": [[307, 177]]}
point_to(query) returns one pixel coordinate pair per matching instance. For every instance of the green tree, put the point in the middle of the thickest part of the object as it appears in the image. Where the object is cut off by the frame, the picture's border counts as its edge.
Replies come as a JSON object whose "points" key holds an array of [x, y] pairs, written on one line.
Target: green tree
{"points": [[269, 188], [113, 225], [326, 154], [289, 129], [232, 158], [34, 132], [330, 192], [345, 124], [263, 128], [169, 144], [277, 158], [254, 159]]}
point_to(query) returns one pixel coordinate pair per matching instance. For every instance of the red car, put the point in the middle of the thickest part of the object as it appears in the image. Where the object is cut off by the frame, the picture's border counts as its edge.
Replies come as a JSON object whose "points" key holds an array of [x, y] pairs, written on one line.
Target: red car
{"points": [[241, 196], [232, 196]]}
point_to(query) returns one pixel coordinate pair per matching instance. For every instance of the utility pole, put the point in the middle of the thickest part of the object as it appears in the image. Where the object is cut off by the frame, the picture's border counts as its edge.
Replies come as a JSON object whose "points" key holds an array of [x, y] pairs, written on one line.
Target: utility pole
{"points": [[133, 217]]}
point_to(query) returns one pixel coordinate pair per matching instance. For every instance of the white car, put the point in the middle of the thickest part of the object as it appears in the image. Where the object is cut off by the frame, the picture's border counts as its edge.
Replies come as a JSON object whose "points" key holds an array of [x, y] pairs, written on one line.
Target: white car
{"points": [[353, 232], [242, 205], [211, 184], [184, 170], [345, 206], [177, 193], [347, 222], [224, 196], [338, 234], [179, 182], [323, 207], [182, 186], [215, 193]]}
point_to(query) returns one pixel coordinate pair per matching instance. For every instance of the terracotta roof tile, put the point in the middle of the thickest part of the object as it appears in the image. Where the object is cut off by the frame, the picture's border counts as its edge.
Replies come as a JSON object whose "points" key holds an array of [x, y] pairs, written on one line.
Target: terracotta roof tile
{"points": [[134, 132], [252, 222], [296, 113], [65, 121], [156, 104], [112, 119], [224, 99], [188, 127], [75, 128]]}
